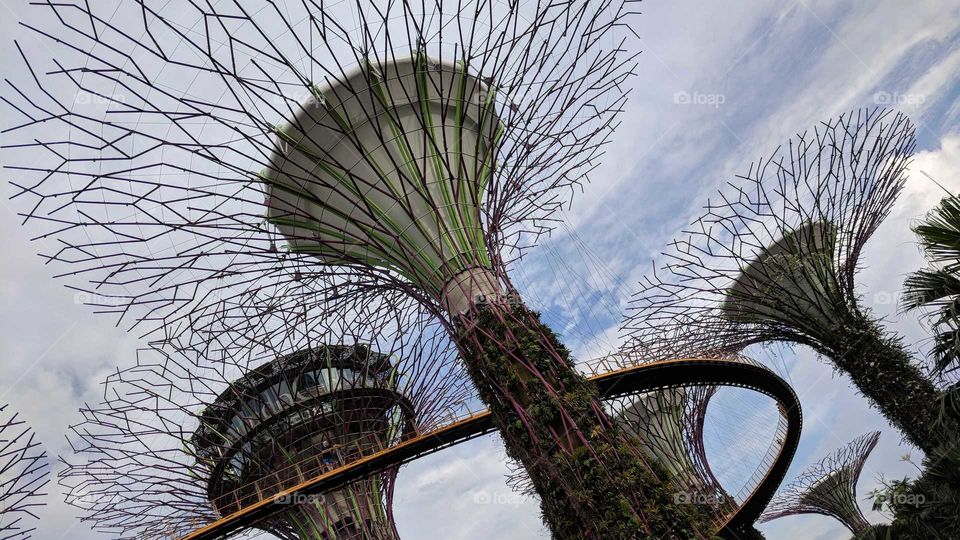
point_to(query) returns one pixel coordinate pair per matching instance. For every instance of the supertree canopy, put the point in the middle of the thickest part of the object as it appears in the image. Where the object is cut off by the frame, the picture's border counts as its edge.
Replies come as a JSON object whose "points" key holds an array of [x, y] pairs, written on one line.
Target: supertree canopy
{"points": [[829, 487], [407, 146], [224, 156], [180, 440], [669, 425], [24, 472], [775, 260]]}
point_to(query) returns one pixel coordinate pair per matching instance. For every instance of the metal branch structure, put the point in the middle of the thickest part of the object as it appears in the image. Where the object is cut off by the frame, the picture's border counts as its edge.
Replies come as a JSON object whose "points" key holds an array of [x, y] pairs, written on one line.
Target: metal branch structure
{"points": [[180, 441], [774, 259], [829, 487], [238, 158], [24, 472]]}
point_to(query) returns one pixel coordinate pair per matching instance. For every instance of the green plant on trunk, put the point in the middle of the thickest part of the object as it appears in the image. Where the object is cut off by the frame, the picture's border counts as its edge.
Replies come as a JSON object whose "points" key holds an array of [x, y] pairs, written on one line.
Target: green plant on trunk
{"points": [[553, 423], [927, 507]]}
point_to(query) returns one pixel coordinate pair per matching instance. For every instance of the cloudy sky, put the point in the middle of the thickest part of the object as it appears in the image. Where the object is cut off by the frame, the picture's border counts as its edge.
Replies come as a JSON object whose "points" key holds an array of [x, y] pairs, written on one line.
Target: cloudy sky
{"points": [[719, 85]]}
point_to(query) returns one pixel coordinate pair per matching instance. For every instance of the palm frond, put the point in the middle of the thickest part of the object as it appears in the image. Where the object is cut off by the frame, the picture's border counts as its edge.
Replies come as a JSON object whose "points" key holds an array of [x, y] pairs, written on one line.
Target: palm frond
{"points": [[946, 347], [939, 234], [936, 289], [930, 288]]}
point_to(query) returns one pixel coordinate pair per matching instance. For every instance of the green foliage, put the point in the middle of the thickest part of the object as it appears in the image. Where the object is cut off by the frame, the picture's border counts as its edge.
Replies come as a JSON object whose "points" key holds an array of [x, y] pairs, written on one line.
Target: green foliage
{"points": [[935, 510], [882, 369], [929, 507], [891, 490], [939, 234], [948, 411], [591, 483], [936, 289], [925, 508]]}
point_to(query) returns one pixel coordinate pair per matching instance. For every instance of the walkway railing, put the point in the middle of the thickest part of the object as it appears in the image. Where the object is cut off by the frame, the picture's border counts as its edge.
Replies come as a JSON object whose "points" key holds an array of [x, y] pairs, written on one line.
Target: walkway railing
{"points": [[265, 490], [317, 464]]}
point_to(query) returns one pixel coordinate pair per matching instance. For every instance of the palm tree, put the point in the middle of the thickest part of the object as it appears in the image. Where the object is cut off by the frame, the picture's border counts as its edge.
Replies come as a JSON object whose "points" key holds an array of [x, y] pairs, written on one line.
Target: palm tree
{"points": [[936, 289]]}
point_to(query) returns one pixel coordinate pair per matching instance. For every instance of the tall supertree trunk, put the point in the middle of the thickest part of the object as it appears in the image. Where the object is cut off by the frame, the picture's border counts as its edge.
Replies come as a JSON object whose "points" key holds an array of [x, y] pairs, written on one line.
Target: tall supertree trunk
{"points": [[882, 370], [551, 420]]}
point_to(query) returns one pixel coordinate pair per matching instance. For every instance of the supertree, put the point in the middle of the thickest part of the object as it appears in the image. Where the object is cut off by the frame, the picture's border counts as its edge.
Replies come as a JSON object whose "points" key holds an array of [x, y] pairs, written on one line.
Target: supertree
{"points": [[224, 149], [327, 405], [180, 440], [828, 487], [775, 260], [24, 472]]}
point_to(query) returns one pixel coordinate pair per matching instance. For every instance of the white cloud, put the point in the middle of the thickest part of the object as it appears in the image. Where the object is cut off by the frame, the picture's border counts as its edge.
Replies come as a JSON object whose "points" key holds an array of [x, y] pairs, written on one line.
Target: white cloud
{"points": [[893, 252]]}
